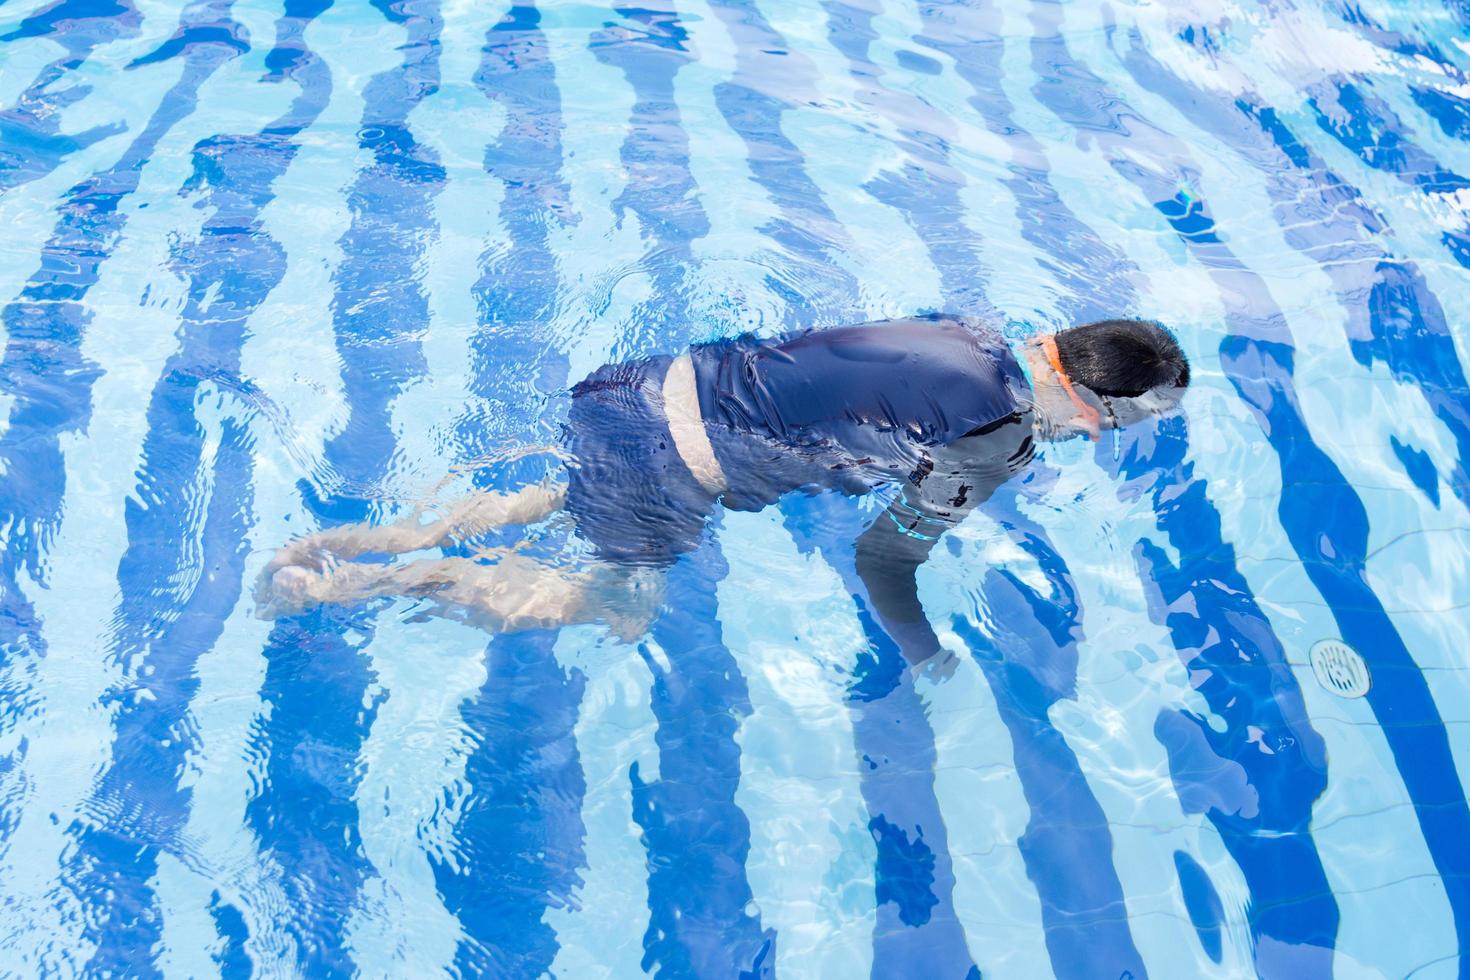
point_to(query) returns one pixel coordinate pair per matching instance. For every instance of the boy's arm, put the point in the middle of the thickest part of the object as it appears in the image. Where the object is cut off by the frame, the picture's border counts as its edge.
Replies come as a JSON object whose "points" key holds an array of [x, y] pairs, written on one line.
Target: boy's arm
{"points": [[890, 551]]}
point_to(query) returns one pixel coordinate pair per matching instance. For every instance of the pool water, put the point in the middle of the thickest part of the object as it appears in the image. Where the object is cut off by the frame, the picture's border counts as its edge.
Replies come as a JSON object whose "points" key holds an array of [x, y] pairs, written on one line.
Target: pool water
{"points": [[268, 269]]}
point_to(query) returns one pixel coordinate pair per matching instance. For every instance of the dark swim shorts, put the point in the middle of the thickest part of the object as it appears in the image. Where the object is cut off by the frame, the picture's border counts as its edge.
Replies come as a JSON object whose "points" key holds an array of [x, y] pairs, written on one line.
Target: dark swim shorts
{"points": [[632, 496]]}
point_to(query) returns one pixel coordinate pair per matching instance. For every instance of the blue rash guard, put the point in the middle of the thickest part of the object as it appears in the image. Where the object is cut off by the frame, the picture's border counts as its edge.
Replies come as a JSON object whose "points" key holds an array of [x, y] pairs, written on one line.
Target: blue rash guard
{"points": [[938, 405], [850, 408]]}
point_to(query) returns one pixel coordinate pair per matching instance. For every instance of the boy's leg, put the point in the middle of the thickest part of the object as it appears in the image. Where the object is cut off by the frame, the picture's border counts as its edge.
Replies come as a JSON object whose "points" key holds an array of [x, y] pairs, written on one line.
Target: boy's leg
{"points": [[467, 518], [517, 592]]}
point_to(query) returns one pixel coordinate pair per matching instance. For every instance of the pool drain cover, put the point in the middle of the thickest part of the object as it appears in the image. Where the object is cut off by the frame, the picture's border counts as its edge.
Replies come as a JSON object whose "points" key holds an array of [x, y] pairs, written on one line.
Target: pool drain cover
{"points": [[1339, 668]]}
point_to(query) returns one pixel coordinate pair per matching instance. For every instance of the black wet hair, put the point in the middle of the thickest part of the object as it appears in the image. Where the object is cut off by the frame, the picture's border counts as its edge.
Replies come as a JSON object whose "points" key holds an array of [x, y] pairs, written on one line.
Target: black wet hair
{"points": [[1122, 358]]}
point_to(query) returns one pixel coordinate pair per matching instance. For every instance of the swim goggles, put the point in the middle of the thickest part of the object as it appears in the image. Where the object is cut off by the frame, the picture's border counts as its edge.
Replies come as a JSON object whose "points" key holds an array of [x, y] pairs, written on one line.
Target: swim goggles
{"points": [[1089, 416]]}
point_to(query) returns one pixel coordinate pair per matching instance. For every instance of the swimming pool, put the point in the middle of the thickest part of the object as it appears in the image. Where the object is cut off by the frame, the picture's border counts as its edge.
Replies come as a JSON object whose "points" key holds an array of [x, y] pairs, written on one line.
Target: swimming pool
{"points": [[271, 268]]}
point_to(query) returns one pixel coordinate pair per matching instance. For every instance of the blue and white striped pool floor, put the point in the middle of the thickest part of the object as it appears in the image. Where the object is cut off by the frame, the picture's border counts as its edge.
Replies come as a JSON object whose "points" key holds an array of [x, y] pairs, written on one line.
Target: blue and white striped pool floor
{"points": [[268, 269]]}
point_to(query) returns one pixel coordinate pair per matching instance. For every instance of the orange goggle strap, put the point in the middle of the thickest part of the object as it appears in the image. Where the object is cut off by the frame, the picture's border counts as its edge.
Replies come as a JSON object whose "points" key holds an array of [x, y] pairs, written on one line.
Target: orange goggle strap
{"points": [[1084, 410]]}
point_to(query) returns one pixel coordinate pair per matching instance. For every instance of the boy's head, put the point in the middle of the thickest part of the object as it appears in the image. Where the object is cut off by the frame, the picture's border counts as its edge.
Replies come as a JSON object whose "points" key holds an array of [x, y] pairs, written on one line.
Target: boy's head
{"points": [[1122, 358], [1120, 371]]}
